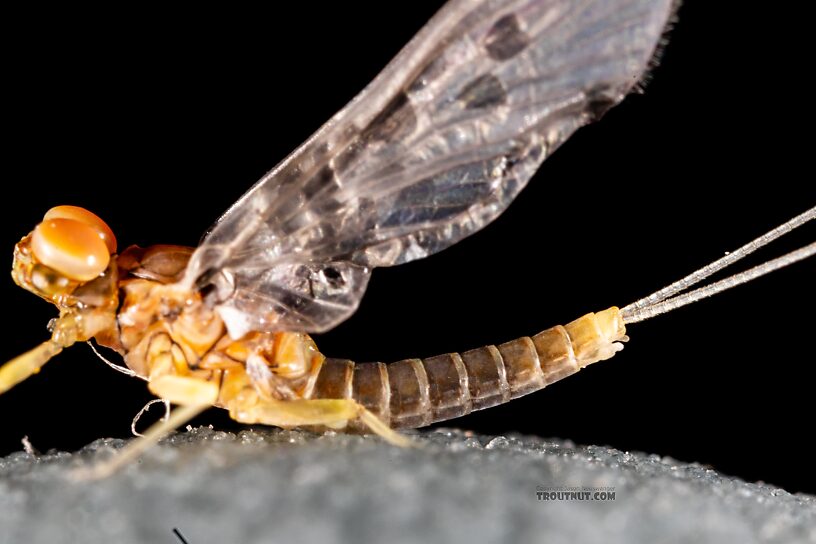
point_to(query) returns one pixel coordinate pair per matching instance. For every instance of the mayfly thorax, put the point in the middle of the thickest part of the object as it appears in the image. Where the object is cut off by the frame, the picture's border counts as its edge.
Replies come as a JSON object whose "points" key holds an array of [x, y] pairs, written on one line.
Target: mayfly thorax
{"points": [[433, 150]]}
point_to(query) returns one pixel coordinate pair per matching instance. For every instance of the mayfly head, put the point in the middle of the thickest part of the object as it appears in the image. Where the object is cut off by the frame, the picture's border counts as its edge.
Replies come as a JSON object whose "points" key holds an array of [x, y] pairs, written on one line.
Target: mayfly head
{"points": [[67, 260]]}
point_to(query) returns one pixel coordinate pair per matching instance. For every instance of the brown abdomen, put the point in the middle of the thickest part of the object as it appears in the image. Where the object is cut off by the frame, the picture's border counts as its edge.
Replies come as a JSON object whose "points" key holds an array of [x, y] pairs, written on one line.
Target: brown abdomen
{"points": [[418, 392]]}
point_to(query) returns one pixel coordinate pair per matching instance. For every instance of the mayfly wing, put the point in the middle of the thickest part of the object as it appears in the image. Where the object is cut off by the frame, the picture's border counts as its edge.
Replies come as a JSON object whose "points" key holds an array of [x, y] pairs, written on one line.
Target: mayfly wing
{"points": [[432, 150]]}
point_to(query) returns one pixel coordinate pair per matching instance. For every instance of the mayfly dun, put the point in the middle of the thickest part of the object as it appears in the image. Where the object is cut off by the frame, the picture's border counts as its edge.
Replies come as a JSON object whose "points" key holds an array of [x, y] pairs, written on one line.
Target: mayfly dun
{"points": [[433, 150]]}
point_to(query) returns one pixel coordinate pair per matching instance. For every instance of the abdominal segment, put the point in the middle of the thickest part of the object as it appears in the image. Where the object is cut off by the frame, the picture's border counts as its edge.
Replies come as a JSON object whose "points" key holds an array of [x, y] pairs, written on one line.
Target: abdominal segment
{"points": [[417, 392]]}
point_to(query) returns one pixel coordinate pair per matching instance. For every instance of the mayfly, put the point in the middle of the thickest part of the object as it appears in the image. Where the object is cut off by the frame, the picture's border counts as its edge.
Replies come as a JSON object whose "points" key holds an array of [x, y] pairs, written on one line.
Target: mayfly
{"points": [[431, 151]]}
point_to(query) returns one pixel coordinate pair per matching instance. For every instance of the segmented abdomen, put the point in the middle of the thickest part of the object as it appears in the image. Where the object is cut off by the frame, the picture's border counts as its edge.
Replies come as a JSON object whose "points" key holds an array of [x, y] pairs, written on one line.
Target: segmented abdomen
{"points": [[418, 392]]}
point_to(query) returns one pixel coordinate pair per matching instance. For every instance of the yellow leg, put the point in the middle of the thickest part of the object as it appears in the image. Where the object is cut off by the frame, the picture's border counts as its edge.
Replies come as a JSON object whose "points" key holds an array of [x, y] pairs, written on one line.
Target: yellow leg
{"points": [[69, 328], [193, 393], [194, 396], [184, 389], [139, 445], [332, 413], [27, 364]]}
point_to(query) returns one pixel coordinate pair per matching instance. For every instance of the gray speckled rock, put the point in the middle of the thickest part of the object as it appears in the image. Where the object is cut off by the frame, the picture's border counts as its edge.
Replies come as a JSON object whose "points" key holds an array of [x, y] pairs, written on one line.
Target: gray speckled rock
{"points": [[284, 486]]}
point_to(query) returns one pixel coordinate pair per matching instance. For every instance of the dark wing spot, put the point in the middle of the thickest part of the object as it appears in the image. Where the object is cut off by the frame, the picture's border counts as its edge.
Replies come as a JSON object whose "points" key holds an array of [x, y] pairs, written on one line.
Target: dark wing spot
{"points": [[321, 151], [395, 121], [333, 277], [344, 159], [506, 38], [432, 70], [322, 179], [483, 92], [327, 206], [290, 175], [599, 100]]}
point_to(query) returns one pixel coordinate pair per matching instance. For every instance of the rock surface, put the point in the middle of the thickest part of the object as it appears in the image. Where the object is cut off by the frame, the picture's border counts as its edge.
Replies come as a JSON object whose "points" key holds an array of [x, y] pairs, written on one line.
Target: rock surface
{"points": [[271, 485]]}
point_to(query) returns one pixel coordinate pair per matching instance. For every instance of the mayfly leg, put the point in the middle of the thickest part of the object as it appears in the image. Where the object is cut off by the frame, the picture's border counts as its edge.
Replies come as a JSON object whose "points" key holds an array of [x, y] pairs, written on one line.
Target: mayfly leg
{"points": [[30, 362], [139, 445]]}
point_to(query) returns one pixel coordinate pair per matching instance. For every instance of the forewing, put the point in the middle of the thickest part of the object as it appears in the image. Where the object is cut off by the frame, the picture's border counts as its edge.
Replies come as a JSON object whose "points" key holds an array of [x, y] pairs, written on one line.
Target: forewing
{"points": [[431, 151]]}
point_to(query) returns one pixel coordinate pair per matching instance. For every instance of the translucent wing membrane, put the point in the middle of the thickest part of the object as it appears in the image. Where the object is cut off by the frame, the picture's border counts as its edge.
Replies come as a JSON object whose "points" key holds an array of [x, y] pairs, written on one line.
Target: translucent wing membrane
{"points": [[432, 150]]}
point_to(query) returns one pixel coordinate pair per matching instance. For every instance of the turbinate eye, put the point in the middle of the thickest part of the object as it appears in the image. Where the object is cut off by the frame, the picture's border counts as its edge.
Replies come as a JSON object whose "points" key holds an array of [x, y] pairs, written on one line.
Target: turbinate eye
{"points": [[84, 216], [74, 242]]}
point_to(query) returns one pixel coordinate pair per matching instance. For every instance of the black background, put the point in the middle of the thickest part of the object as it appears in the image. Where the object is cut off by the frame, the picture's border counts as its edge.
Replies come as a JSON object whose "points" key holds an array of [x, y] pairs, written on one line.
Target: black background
{"points": [[158, 121]]}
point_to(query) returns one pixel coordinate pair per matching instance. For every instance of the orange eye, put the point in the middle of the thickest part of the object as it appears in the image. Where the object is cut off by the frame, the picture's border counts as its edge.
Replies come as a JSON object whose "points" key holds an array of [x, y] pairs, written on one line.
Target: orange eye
{"points": [[71, 247], [84, 216]]}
